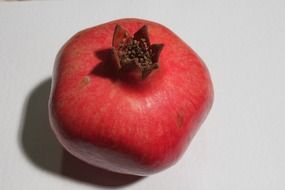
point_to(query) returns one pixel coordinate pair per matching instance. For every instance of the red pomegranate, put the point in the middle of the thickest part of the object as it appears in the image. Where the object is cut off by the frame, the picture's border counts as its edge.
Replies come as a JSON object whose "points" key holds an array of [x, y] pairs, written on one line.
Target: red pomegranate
{"points": [[128, 96]]}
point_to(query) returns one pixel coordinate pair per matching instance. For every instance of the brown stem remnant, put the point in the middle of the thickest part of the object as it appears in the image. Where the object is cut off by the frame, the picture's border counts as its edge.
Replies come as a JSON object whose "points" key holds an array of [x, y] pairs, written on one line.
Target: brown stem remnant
{"points": [[135, 53]]}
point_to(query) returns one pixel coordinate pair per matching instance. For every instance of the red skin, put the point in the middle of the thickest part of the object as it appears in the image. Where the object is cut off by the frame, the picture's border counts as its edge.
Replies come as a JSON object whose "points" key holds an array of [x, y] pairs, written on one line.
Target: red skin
{"points": [[132, 128]]}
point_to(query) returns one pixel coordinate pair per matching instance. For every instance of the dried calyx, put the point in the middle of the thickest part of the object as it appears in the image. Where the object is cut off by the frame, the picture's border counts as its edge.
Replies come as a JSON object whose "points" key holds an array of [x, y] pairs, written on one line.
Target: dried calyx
{"points": [[135, 53]]}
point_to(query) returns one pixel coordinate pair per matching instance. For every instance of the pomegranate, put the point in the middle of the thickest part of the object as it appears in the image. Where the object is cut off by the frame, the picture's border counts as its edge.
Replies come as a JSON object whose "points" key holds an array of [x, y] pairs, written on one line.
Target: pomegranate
{"points": [[128, 96]]}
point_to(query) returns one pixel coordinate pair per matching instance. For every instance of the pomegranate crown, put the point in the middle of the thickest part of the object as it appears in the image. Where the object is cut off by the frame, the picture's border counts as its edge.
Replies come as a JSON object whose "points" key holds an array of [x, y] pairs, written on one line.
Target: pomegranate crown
{"points": [[135, 52]]}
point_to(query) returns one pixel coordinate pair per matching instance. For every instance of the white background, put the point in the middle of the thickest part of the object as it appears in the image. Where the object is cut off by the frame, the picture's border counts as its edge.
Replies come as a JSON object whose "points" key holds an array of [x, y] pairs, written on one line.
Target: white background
{"points": [[239, 146]]}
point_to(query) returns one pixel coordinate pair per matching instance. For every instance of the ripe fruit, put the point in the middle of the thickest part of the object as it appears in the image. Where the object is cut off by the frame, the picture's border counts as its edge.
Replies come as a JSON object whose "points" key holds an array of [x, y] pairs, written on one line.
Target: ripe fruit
{"points": [[128, 104]]}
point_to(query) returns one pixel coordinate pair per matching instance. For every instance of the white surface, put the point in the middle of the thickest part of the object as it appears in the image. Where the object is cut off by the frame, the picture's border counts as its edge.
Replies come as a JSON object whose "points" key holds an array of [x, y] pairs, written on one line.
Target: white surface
{"points": [[241, 144]]}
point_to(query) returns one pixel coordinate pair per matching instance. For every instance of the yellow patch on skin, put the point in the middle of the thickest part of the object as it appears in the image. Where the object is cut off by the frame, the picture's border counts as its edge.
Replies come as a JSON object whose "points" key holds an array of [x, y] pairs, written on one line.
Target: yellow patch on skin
{"points": [[70, 70], [179, 120], [85, 81]]}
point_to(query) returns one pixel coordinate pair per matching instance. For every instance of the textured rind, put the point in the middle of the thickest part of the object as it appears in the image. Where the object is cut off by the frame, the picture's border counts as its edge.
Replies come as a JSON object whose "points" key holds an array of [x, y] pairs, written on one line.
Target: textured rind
{"points": [[133, 128]]}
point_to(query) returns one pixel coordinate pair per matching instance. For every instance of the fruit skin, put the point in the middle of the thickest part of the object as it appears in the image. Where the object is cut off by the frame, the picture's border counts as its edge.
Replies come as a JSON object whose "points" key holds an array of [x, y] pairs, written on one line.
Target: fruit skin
{"points": [[137, 128]]}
